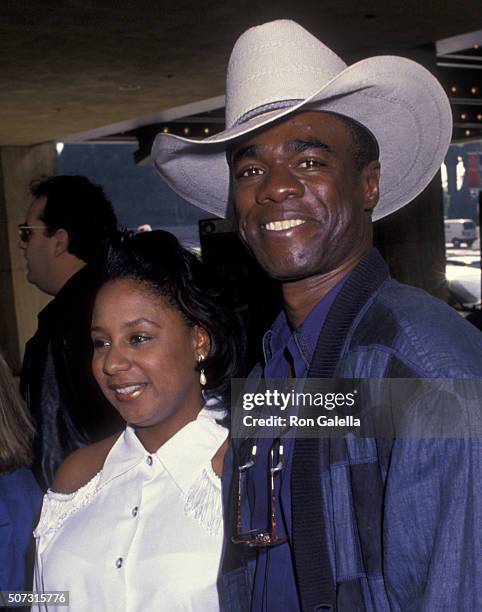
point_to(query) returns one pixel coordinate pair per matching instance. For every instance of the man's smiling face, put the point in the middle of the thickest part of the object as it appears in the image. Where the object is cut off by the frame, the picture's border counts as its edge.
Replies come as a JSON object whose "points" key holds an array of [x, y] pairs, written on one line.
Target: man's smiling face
{"points": [[302, 205]]}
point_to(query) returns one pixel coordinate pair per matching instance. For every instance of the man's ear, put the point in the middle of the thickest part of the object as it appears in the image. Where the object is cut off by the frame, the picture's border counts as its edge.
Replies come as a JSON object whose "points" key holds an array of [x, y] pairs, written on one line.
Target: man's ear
{"points": [[61, 242], [202, 342], [371, 183]]}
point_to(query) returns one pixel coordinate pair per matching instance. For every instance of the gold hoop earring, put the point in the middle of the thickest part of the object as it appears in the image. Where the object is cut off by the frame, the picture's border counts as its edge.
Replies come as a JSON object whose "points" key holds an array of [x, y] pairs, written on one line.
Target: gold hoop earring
{"points": [[202, 375]]}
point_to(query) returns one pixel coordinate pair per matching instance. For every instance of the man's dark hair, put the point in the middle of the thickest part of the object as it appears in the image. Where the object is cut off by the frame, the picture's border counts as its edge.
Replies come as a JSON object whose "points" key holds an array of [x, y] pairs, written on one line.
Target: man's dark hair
{"points": [[157, 261], [365, 145], [81, 209]]}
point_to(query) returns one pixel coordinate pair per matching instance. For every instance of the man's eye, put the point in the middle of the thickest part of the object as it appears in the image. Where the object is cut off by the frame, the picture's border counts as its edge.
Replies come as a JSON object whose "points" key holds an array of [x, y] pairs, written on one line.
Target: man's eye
{"points": [[310, 163], [250, 171], [99, 343], [139, 339]]}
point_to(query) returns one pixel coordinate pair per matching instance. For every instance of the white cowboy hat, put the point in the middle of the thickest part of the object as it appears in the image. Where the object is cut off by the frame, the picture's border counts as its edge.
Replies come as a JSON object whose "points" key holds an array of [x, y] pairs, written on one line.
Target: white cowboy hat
{"points": [[279, 68]]}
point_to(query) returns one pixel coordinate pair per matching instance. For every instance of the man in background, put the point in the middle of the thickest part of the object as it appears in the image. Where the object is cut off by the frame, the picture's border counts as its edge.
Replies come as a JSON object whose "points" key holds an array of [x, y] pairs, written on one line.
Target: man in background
{"points": [[63, 239]]}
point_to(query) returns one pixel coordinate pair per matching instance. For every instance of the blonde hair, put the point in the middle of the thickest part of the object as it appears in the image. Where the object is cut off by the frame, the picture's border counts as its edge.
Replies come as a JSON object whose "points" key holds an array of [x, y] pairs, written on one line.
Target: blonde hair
{"points": [[16, 427]]}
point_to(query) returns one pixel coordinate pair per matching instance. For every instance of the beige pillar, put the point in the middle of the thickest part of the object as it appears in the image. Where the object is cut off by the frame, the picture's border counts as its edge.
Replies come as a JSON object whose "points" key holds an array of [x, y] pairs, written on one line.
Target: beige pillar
{"points": [[20, 301], [412, 241]]}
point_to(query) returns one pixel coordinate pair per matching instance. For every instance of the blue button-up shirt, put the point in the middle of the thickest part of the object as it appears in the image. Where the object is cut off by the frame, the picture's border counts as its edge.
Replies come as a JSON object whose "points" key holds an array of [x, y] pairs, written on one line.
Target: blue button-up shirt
{"points": [[287, 353]]}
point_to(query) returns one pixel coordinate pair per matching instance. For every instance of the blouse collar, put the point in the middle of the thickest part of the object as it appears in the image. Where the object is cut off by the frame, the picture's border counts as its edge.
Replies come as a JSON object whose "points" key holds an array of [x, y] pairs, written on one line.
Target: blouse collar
{"points": [[184, 456]]}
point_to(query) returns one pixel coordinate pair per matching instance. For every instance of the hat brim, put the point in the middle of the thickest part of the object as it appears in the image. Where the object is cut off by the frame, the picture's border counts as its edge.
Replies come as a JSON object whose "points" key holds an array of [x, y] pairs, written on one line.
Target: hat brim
{"points": [[398, 100]]}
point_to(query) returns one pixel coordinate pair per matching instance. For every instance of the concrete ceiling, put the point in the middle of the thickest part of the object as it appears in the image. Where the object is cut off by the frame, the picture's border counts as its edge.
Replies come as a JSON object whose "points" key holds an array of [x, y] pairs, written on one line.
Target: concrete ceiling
{"points": [[76, 65]]}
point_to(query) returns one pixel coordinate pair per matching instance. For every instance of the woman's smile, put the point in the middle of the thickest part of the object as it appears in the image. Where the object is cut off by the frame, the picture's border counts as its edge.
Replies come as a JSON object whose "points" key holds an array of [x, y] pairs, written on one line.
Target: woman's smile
{"points": [[127, 392]]}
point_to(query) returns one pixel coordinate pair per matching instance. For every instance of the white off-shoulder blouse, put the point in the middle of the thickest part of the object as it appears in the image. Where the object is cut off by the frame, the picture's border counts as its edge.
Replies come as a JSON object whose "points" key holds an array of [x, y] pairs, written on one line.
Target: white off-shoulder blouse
{"points": [[144, 534]]}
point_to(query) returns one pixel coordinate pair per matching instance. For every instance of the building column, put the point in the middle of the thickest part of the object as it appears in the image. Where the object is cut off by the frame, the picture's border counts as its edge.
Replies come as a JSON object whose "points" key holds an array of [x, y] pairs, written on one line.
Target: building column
{"points": [[412, 240], [20, 301]]}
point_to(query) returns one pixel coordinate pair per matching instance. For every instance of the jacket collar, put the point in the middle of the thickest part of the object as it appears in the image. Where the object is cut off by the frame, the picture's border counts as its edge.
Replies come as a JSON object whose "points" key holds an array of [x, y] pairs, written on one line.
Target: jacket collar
{"points": [[81, 286], [361, 284]]}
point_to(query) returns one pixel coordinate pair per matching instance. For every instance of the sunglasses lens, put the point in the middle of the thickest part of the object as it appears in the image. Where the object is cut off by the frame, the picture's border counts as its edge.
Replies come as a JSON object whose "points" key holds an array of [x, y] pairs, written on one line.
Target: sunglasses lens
{"points": [[24, 234]]}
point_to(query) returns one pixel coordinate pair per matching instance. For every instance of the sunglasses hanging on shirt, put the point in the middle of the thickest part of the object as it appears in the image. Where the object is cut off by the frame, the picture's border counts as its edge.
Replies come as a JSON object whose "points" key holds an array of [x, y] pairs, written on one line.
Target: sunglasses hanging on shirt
{"points": [[260, 537]]}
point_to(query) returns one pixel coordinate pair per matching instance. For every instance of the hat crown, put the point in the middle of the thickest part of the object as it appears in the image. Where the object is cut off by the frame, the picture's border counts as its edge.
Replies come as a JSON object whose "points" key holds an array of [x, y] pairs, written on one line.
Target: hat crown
{"points": [[276, 64]]}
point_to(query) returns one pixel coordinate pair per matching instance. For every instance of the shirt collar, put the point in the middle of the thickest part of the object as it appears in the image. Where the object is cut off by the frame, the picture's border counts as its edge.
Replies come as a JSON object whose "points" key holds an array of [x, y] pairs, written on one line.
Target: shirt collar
{"points": [[277, 336], [184, 455], [305, 337], [126, 454]]}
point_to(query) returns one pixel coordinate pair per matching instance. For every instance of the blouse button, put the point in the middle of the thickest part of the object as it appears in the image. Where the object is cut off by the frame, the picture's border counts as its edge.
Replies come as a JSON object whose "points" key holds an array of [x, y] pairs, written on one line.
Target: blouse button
{"points": [[149, 460], [135, 510], [118, 563]]}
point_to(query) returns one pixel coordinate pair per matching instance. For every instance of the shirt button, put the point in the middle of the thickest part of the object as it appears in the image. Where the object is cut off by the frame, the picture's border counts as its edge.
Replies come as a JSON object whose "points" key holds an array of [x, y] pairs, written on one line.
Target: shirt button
{"points": [[135, 510], [149, 460], [118, 563]]}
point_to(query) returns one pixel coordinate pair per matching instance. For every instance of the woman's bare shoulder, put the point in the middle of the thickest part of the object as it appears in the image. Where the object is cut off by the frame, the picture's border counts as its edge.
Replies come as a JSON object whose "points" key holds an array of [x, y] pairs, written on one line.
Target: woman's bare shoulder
{"points": [[82, 465], [217, 461]]}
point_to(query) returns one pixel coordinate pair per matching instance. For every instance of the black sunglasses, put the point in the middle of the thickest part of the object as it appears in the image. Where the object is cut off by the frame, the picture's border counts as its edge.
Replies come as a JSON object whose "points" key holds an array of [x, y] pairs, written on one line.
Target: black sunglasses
{"points": [[25, 231]]}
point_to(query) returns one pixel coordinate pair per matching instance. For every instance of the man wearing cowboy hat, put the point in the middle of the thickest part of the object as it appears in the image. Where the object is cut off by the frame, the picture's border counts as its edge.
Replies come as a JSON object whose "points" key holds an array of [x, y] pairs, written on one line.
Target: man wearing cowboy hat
{"points": [[314, 152]]}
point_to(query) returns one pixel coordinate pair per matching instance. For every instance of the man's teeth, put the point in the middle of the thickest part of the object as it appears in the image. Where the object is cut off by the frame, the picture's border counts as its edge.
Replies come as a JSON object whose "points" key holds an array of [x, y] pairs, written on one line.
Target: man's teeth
{"points": [[277, 226], [127, 390]]}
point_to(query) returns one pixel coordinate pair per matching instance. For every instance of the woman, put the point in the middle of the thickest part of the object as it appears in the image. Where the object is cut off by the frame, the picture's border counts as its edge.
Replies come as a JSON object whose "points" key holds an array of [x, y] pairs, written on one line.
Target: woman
{"points": [[20, 496], [135, 522]]}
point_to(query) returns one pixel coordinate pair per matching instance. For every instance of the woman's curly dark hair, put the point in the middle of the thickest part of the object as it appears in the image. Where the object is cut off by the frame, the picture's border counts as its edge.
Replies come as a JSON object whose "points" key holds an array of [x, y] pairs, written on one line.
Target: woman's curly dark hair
{"points": [[157, 261]]}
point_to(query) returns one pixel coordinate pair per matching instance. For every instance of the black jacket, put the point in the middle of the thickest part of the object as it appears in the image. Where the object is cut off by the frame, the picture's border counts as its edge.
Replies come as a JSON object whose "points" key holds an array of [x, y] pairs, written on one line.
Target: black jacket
{"points": [[56, 380]]}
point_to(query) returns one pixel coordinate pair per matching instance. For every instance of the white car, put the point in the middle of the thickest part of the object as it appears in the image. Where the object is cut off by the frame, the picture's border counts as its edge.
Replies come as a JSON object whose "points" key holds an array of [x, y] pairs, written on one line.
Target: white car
{"points": [[458, 231], [463, 280]]}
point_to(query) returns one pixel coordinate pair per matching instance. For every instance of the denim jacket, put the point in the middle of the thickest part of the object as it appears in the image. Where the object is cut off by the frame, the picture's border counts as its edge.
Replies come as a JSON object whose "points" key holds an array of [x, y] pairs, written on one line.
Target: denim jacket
{"points": [[403, 516]]}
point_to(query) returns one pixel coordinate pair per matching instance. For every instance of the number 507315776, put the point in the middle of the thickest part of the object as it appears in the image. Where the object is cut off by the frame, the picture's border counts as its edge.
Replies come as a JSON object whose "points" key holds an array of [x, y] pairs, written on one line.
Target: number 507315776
{"points": [[17, 599]]}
